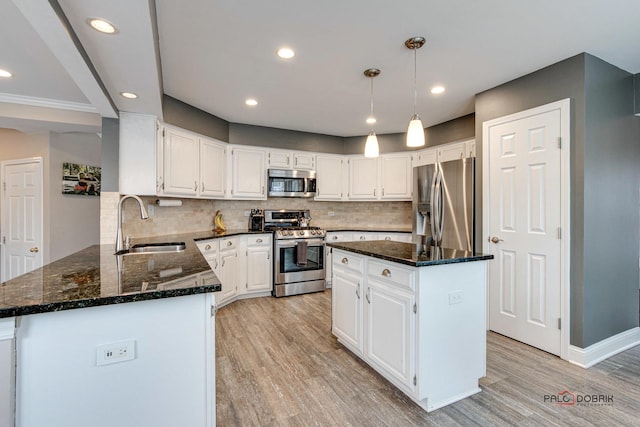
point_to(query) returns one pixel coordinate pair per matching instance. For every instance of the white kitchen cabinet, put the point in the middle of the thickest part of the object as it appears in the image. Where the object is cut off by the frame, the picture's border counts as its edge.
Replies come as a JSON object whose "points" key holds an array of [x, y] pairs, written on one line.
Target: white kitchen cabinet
{"points": [[211, 252], [424, 328], [279, 159], [361, 236], [390, 320], [138, 155], [331, 177], [453, 151], [213, 167], [248, 173], [258, 263], [229, 269], [428, 156], [181, 158], [304, 160], [7, 371], [363, 178], [395, 237], [333, 237], [396, 174], [346, 298]]}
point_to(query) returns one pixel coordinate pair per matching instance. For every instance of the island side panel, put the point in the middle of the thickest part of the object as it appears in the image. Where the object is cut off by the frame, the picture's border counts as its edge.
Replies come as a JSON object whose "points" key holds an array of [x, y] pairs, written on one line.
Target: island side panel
{"points": [[452, 331], [7, 371], [170, 382]]}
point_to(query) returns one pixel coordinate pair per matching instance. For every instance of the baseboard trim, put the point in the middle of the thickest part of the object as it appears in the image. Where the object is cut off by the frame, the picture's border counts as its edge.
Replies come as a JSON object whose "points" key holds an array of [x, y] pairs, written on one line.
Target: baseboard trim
{"points": [[596, 353]]}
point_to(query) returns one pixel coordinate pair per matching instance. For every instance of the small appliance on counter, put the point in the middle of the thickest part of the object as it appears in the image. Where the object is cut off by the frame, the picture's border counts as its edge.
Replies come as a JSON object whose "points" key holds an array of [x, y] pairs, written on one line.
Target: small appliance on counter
{"points": [[256, 220]]}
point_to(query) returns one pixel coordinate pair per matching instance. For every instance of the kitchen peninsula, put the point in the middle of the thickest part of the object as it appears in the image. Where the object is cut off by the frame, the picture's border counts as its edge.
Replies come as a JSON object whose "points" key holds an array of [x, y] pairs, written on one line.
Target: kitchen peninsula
{"points": [[416, 314], [102, 339]]}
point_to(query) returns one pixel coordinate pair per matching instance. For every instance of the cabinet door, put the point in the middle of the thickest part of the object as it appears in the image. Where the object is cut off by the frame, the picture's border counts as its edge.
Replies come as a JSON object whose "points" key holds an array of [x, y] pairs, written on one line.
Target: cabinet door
{"points": [[453, 151], [212, 168], [363, 178], [425, 157], [395, 237], [330, 178], [259, 263], [139, 140], [180, 162], [390, 330], [304, 161], [248, 174], [279, 159], [228, 275], [346, 295], [395, 177]]}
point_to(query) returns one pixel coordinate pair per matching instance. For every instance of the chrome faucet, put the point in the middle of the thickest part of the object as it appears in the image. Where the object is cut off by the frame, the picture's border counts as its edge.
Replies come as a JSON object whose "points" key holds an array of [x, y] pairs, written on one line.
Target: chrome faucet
{"points": [[143, 215]]}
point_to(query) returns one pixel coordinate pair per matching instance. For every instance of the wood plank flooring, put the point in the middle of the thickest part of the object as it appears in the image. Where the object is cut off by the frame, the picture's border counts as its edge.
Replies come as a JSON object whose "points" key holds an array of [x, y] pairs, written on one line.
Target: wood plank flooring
{"points": [[279, 365]]}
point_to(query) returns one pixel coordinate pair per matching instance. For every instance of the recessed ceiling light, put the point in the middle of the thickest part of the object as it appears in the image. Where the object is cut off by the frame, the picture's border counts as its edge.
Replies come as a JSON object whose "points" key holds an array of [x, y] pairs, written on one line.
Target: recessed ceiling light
{"points": [[129, 95], [251, 102], [437, 89], [5, 73], [102, 25], [286, 53], [371, 120]]}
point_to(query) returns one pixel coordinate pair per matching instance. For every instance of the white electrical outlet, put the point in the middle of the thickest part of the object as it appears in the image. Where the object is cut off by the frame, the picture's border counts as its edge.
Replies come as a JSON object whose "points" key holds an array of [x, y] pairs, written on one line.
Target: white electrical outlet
{"points": [[455, 297], [151, 210], [331, 213], [247, 213], [117, 352]]}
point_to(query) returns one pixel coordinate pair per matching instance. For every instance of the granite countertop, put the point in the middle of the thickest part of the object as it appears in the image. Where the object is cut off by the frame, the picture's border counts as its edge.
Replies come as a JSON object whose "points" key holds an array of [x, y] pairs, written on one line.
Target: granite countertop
{"points": [[96, 276], [409, 253]]}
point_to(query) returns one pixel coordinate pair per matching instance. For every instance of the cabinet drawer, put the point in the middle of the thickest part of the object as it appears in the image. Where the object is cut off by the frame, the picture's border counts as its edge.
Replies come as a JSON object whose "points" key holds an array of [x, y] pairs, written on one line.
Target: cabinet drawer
{"points": [[259, 240], [229, 243], [339, 237], [208, 246], [392, 273], [347, 261], [357, 237]]}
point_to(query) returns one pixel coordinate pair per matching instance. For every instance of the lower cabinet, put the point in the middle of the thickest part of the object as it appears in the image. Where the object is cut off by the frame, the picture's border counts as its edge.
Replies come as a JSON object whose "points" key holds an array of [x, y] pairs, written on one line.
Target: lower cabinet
{"points": [[404, 323], [243, 264]]}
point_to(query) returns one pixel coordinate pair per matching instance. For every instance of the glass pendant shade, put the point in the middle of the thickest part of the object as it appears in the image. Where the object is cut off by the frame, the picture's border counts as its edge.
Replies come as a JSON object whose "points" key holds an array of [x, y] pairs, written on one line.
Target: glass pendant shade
{"points": [[415, 134], [371, 147]]}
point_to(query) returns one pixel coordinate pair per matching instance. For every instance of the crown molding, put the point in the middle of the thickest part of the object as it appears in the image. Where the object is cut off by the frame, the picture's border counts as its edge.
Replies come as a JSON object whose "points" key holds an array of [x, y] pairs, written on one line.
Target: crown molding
{"points": [[47, 103]]}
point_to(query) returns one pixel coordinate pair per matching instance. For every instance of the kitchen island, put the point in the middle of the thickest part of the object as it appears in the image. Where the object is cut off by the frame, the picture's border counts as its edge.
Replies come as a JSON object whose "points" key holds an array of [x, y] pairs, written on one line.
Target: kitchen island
{"points": [[103, 339], [417, 315]]}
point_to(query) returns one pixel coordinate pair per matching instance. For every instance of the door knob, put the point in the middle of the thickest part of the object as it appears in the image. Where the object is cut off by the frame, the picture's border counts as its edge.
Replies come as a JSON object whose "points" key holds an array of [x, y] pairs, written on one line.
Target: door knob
{"points": [[34, 249], [494, 239]]}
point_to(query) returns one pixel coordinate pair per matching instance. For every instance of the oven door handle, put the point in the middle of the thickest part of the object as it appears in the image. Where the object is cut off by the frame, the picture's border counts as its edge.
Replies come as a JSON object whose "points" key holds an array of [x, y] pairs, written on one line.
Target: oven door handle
{"points": [[292, 243]]}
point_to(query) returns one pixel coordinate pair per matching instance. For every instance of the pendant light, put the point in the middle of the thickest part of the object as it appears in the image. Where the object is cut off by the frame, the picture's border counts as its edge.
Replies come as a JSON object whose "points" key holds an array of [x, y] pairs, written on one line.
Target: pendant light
{"points": [[415, 133], [371, 147]]}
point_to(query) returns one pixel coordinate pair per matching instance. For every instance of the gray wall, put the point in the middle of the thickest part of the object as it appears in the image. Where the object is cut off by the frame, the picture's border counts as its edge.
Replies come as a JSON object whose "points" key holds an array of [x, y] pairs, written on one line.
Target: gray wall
{"points": [[282, 138], [183, 115], [599, 119], [110, 154], [636, 86], [453, 130]]}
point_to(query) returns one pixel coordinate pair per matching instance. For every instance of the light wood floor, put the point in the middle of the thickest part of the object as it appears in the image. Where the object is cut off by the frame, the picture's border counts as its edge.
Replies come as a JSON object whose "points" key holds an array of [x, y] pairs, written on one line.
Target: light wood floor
{"points": [[279, 365]]}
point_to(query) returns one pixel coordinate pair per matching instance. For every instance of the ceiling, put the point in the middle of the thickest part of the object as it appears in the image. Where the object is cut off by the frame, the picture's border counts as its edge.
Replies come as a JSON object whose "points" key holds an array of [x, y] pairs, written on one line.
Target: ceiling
{"points": [[215, 54]]}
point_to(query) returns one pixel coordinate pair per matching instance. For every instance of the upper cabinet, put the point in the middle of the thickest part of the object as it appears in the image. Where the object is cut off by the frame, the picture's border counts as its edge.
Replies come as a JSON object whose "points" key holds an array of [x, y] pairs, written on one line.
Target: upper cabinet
{"points": [[395, 176], [181, 160], [444, 153], [213, 167], [363, 178], [284, 159], [332, 174], [248, 173], [138, 154]]}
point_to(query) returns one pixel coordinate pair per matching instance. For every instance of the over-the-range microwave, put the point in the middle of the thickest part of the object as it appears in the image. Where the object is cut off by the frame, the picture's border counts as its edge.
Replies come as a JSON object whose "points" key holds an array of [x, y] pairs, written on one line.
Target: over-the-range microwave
{"points": [[291, 183]]}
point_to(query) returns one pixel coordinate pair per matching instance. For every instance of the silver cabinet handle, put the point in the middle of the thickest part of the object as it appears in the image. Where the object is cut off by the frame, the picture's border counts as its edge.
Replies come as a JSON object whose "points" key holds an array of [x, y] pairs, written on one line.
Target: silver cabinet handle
{"points": [[387, 238], [223, 261], [374, 192], [383, 191], [386, 272], [358, 291], [258, 240], [335, 237], [207, 248], [367, 296], [195, 185], [345, 261], [202, 186], [363, 238], [229, 243], [495, 239], [216, 266]]}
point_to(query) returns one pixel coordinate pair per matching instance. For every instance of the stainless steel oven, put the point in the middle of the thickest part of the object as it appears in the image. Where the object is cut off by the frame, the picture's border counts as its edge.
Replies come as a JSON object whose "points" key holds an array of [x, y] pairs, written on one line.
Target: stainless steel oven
{"points": [[298, 253]]}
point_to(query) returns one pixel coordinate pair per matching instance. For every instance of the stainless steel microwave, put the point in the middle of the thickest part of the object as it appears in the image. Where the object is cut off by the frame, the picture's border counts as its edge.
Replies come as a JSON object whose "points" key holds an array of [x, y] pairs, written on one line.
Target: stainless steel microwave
{"points": [[291, 183]]}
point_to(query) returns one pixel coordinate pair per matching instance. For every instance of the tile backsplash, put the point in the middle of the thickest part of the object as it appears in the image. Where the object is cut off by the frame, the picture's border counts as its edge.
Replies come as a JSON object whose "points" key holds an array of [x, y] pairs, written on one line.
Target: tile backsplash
{"points": [[197, 215]]}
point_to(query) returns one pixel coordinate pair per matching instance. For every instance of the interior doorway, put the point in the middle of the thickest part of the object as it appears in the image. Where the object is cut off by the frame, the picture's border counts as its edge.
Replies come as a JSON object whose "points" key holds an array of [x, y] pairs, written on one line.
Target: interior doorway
{"points": [[21, 209], [526, 225]]}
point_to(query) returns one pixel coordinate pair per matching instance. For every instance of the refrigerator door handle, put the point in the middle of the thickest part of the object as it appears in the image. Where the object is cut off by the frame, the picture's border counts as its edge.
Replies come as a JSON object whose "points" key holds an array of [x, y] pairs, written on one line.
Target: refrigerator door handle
{"points": [[432, 202], [440, 205]]}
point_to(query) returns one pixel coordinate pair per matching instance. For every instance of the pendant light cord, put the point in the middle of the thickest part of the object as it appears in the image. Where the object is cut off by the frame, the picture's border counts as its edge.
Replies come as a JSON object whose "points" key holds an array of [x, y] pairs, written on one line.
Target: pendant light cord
{"points": [[415, 84], [371, 78]]}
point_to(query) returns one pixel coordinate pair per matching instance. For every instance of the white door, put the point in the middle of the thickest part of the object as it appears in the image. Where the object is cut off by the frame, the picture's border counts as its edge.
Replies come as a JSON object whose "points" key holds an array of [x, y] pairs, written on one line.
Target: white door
{"points": [[21, 217], [524, 202]]}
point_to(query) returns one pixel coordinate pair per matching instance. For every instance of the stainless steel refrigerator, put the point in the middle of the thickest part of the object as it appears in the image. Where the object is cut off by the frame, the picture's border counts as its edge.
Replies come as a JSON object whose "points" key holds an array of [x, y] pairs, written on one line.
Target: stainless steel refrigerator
{"points": [[443, 204]]}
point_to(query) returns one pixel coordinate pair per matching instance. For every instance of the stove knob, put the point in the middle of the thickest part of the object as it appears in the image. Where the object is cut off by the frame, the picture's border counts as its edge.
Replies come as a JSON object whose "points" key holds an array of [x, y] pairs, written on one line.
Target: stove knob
{"points": [[301, 233], [290, 233], [313, 232]]}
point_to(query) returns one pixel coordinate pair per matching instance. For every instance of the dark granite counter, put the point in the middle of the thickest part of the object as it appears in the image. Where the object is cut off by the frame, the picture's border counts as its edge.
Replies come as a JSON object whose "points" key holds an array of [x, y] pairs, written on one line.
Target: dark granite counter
{"points": [[95, 276], [410, 254]]}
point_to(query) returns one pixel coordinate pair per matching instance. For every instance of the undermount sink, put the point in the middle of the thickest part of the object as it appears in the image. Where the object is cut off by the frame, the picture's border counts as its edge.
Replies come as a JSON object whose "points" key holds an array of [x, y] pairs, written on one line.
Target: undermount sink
{"points": [[144, 248]]}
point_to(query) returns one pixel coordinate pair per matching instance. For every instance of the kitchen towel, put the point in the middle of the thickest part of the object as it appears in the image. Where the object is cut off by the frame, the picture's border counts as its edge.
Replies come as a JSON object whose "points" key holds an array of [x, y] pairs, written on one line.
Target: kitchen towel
{"points": [[301, 253]]}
